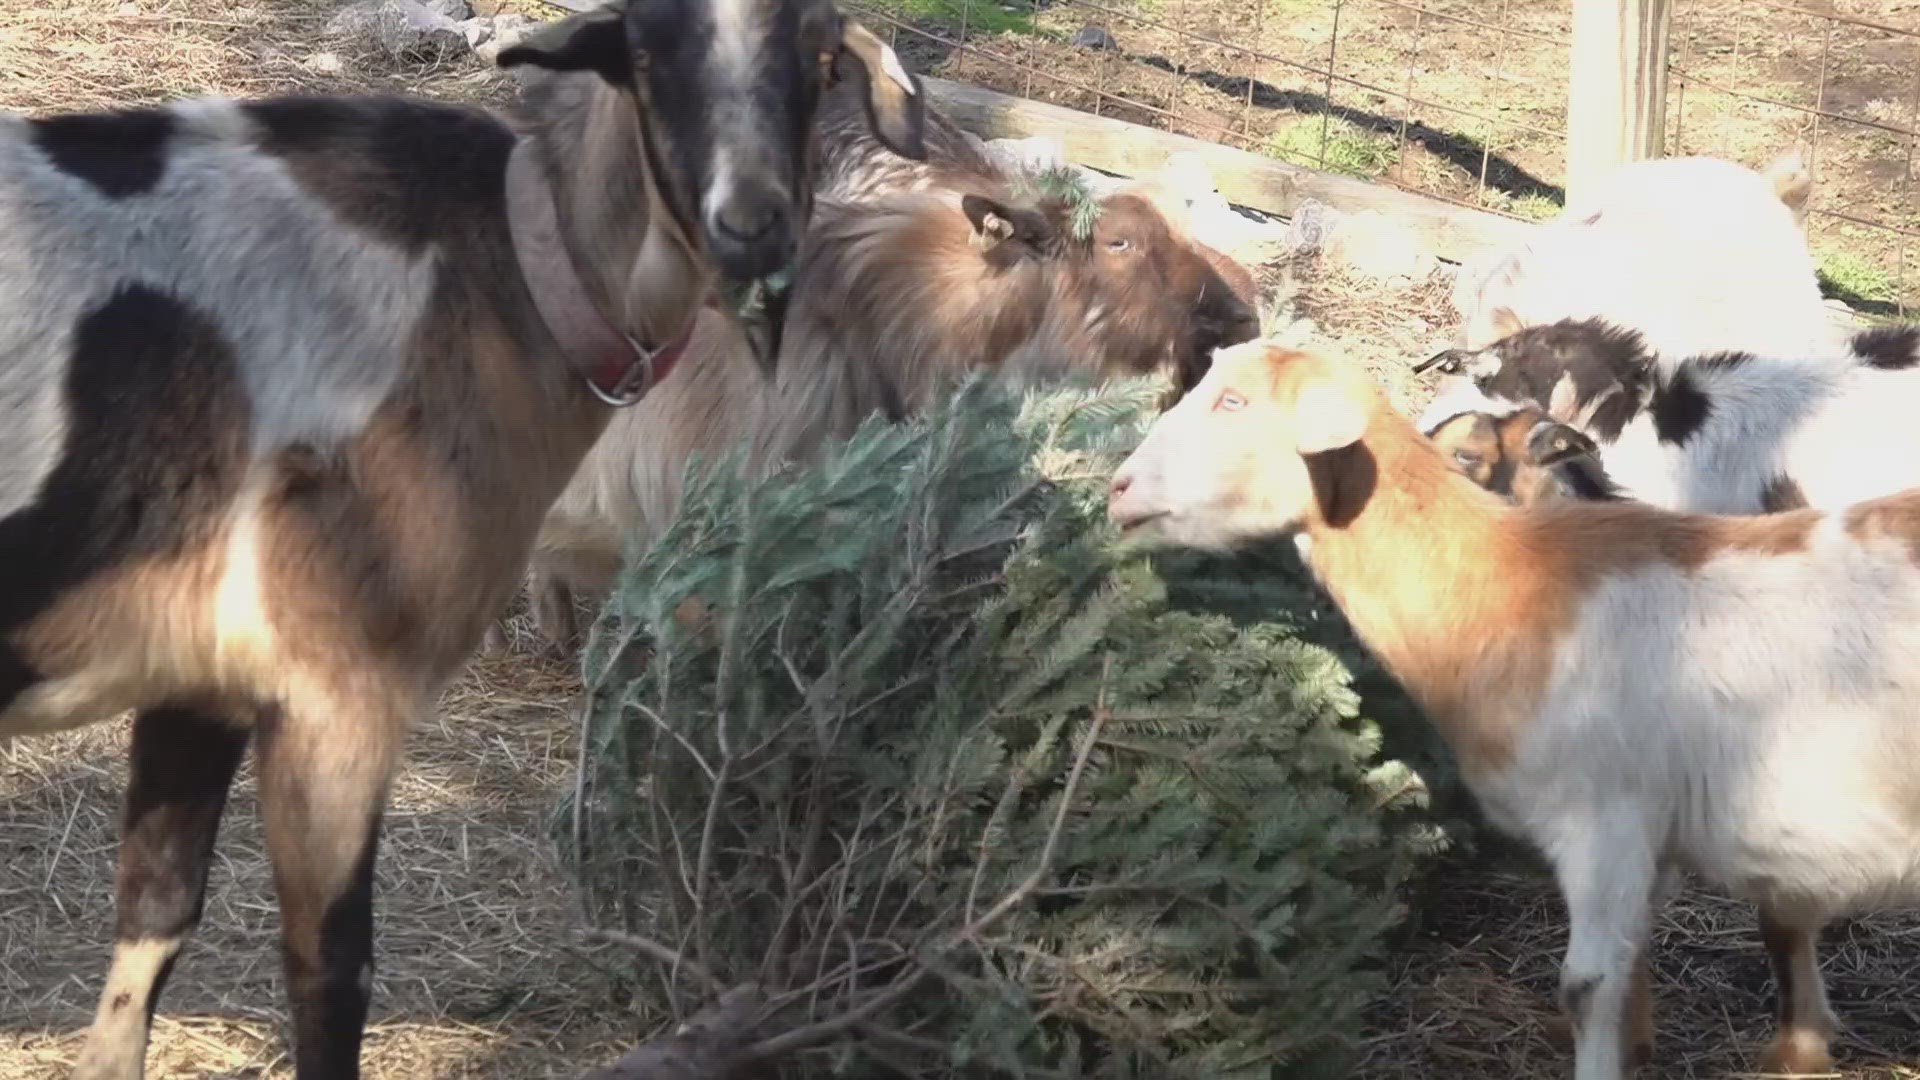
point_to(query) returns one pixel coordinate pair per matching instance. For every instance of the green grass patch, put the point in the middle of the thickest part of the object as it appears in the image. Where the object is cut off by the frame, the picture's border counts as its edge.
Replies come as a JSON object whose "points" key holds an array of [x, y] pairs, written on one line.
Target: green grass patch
{"points": [[1533, 207], [1334, 145], [1845, 276], [983, 16]]}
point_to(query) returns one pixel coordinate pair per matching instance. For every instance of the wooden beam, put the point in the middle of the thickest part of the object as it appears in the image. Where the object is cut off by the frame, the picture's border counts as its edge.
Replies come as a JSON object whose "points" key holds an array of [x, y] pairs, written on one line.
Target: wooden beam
{"points": [[1455, 233], [1617, 87]]}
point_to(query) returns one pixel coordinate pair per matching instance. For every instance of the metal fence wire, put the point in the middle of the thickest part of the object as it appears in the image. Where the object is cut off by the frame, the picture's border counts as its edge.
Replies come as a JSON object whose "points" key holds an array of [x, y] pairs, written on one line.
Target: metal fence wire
{"points": [[1465, 100]]}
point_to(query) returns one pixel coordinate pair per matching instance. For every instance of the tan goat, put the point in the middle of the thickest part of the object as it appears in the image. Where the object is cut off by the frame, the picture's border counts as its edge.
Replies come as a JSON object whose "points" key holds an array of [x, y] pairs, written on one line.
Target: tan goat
{"points": [[903, 290]]}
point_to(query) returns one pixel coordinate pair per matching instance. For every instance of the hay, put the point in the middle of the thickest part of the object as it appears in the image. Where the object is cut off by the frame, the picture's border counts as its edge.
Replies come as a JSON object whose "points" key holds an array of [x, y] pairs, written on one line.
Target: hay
{"points": [[1472, 991], [104, 55], [480, 970]]}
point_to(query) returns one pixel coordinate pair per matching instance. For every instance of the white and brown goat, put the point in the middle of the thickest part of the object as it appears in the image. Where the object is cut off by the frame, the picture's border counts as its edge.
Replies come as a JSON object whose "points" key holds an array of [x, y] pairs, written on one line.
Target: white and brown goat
{"points": [[289, 385], [1638, 692], [901, 291]]}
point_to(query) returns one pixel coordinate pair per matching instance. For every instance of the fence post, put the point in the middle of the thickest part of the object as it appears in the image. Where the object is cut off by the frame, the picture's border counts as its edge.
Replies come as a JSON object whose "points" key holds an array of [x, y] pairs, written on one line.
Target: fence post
{"points": [[1616, 86]]}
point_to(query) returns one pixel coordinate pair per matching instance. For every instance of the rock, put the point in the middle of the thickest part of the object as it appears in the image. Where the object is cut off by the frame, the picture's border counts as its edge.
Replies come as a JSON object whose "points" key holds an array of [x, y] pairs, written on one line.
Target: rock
{"points": [[1374, 245], [324, 63], [508, 29], [454, 10], [405, 30], [478, 31], [1312, 223], [1093, 36]]}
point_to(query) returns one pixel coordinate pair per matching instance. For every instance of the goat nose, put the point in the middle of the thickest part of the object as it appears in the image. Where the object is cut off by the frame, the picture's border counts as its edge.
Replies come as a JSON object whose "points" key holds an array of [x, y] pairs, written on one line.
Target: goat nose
{"points": [[747, 222], [1118, 486]]}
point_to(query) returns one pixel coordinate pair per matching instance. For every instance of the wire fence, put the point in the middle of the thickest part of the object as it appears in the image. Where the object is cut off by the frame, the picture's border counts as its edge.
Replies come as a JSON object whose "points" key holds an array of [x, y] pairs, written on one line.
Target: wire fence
{"points": [[1465, 100], [1844, 85]]}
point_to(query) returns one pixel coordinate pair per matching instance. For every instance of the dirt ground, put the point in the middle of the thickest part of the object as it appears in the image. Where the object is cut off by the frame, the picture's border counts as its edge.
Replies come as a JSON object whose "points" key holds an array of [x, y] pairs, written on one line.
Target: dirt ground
{"points": [[482, 972], [1466, 99]]}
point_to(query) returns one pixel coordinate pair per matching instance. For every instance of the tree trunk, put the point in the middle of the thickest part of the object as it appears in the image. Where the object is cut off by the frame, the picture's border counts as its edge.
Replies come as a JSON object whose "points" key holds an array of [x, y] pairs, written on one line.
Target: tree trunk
{"points": [[706, 1047]]}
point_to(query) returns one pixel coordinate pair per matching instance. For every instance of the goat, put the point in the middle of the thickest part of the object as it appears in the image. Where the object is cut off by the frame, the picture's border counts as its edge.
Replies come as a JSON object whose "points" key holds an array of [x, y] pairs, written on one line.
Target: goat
{"points": [[1619, 683], [901, 291], [1523, 454], [856, 167], [289, 385], [1698, 254], [1728, 433]]}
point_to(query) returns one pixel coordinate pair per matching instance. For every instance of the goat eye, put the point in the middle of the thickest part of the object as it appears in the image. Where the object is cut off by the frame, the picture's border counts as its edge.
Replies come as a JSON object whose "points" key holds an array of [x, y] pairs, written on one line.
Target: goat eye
{"points": [[1118, 245], [1466, 460], [1231, 402]]}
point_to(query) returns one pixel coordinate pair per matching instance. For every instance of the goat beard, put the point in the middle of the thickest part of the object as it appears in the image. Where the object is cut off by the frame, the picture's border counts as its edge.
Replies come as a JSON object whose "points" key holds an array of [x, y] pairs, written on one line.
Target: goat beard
{"points": [[760, 308]]}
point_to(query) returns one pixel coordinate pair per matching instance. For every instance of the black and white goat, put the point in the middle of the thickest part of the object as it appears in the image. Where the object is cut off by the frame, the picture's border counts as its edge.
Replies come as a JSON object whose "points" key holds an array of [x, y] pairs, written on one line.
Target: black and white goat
{"points": [[288, 387], [1728, 433]]}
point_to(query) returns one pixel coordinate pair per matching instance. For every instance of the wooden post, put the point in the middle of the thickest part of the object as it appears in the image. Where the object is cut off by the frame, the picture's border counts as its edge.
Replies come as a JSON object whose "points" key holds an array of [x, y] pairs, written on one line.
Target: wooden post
{"points": [[1617, 87]]}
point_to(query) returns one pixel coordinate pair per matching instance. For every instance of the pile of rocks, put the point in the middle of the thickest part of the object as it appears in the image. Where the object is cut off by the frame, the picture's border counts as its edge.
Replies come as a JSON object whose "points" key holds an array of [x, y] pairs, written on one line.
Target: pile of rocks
{"points": [[427, 31]]}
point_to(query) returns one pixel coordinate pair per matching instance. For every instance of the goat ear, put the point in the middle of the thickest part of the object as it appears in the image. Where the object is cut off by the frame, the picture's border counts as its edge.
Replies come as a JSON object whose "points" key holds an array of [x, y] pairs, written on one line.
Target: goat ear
{"points": [[595, 41], [1551, 444], [995, 223], [1564, 401], [895, 100], [1504, 322], [1326, 418]]}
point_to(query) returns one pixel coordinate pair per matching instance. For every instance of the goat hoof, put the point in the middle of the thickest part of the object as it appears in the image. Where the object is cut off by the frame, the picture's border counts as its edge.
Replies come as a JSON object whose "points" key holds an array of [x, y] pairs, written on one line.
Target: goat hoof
{"points": [[1559, 1035], [1797, 1053], [494, 644]]}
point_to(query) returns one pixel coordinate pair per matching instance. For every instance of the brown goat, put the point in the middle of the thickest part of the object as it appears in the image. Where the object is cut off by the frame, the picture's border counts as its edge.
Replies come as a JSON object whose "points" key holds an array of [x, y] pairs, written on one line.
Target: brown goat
{"points": [[1524, 455], [899, 293]]}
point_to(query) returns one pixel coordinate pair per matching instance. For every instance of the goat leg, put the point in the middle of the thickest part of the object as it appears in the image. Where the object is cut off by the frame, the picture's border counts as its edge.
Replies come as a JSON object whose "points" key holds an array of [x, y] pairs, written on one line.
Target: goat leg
{"points": [[1608, 877], [554, 616], [323, 783], [1806, 1023], [182, 762]]}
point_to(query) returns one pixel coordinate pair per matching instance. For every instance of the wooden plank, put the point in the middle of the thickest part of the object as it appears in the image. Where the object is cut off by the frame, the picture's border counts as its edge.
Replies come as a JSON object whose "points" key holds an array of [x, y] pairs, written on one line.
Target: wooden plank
{"points": [[1616, 87], [1454, 233]]}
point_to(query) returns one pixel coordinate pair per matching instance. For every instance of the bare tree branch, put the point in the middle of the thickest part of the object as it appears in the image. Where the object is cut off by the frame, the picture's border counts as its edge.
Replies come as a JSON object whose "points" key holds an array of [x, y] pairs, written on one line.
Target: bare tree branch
{"points": [[677, 962]]}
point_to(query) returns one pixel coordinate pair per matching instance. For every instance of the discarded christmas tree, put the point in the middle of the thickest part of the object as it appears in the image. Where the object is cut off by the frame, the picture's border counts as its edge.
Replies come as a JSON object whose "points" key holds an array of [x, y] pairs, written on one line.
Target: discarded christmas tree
{"points": [[937, 782]]}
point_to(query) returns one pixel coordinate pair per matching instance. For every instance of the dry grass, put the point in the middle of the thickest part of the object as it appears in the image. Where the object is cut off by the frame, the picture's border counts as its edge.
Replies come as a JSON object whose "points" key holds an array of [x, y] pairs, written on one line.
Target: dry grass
{"points": [[481, 971], [1472, 992], [103, 54]]}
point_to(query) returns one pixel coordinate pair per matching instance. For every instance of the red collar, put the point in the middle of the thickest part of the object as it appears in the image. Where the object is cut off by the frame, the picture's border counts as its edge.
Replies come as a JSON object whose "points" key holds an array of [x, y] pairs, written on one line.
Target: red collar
{"points": [[624, 372], [618, 369]]}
